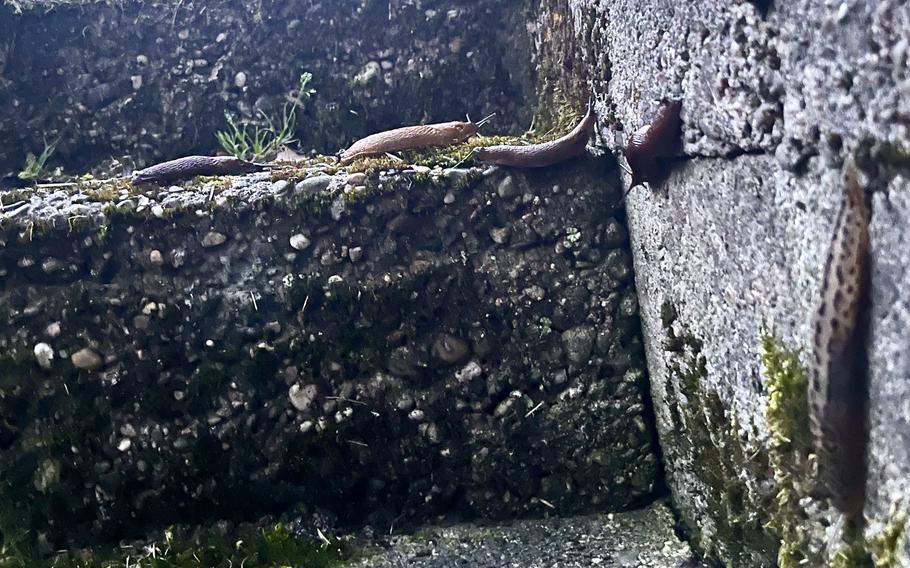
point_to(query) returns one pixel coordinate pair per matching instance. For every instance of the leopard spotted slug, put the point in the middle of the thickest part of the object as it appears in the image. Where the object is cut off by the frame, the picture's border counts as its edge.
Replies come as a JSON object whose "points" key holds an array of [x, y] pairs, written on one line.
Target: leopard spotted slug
{"points": [[837, 392]]}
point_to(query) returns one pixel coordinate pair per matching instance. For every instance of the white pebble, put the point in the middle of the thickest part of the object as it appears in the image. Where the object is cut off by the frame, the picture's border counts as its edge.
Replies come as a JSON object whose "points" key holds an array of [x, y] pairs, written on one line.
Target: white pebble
{"points": [[299, 241], [302, 397], [87, 359], [44, 354], [213, 239]]}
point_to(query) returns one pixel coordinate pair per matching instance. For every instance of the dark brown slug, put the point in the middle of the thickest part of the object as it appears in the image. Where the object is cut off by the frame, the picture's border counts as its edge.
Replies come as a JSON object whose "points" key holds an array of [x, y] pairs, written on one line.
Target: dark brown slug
{"points": [[410, 138], [192, 166], [837, 392], [545, 154], [650, 143]]}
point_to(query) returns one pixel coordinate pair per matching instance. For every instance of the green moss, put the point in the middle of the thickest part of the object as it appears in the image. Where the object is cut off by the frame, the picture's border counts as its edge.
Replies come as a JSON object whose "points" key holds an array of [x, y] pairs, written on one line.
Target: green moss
{"points": [[106, 191], [879, 551], [886, 546], [213, 184], [705, 442], [854, 553], [883, 550], [274, 547], [787, 415], [555, 112], [787, 410], [299, 170]]}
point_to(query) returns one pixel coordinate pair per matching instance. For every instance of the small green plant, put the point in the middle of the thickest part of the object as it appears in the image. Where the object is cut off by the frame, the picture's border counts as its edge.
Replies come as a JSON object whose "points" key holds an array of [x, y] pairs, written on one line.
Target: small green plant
{"points": [[257, 139], [35, 166]]}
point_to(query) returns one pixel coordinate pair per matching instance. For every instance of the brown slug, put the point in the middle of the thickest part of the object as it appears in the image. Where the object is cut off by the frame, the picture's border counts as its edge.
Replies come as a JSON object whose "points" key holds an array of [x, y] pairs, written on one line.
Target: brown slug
{"points": [[410, 138], [544, 154], [650, 143], [837, 392], [192, 166]]}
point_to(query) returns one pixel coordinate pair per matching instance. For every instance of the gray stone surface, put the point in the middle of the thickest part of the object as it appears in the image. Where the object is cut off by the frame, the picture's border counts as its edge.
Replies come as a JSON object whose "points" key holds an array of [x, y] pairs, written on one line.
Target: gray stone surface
{"points": [[206, 367], [642, 539], [712, 273], [889, 358], [735, 240]]}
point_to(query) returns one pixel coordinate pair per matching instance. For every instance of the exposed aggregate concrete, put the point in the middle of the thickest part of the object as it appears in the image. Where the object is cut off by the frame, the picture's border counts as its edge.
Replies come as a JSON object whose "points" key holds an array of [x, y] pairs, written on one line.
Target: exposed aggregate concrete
{"points": [[384, 347], [124, 84], [642, 538], [730, 244]]}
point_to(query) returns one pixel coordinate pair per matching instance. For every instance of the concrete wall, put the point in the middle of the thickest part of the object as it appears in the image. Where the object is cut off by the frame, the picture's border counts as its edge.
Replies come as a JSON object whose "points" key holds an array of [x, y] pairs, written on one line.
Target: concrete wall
{"points": [[774, 98]]}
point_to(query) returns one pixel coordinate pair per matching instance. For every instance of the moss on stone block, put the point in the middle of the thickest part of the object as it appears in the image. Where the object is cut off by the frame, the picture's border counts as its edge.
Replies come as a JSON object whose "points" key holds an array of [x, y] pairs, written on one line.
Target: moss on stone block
{"points": [[787, 414], [707, 455], [885, 547]]}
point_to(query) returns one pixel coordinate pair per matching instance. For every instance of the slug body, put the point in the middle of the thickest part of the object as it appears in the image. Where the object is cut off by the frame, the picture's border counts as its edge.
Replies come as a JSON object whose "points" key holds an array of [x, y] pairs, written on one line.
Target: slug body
{"points": [[837, 393], [650, 143], [191, 166], [545, 154], [410, 138]]}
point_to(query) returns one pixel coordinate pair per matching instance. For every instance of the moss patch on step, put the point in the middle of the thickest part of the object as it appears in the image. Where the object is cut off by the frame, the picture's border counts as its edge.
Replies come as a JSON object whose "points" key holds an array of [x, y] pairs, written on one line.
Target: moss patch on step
{"points": [[271, 547]]}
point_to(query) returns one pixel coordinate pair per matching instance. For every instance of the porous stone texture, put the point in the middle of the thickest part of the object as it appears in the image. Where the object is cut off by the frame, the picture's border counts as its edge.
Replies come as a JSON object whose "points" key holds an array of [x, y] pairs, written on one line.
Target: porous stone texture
{"points": [[243, 370], [712, 275], [889, 359], [642, 538], [141, 81], [775, 97]]}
